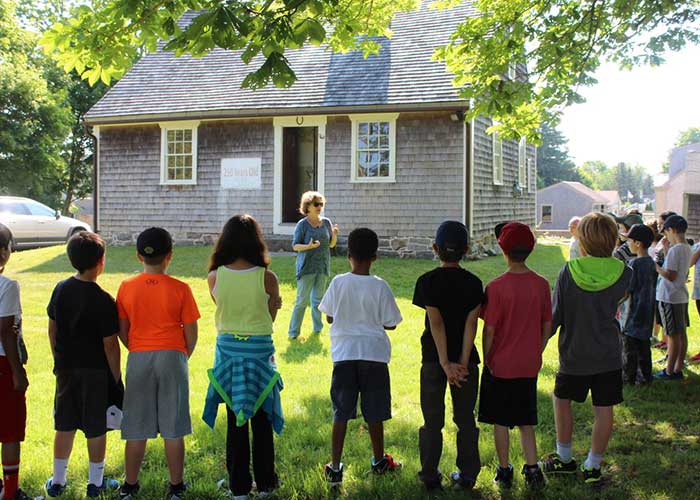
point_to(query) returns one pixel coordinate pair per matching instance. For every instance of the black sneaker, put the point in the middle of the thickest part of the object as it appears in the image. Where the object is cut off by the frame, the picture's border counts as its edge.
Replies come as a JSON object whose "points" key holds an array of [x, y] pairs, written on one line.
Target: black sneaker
{"points": [[431, 483], [386, 464], [504, 476], [553, 464], [591, 474], [21, 495], [128, 491], [462, 481], [177, 491], [333, 476], [94, 491], [534, 477]]}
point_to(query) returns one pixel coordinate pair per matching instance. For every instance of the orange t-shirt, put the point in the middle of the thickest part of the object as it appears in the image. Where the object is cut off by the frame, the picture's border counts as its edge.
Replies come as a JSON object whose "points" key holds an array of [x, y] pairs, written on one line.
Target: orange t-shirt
{"points": [[157, 306]]}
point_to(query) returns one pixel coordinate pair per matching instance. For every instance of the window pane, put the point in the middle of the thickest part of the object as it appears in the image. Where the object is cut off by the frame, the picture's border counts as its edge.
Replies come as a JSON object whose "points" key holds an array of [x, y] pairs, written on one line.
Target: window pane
{"points": [[188, 174], [384, 128], [187, 161], [362, 142], [385, 156], [178, 148], [188, 148], [171, 135], [373, 142], [171, 174], [188, 135], [384, 141], [363, 128], [178, 135], [374, 128], [384, 170], [171, 161]]}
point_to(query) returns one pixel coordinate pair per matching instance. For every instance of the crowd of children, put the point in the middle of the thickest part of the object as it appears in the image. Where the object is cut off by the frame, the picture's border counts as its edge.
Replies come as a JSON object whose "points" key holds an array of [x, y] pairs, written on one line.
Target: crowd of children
{"points": [[603, 307]]}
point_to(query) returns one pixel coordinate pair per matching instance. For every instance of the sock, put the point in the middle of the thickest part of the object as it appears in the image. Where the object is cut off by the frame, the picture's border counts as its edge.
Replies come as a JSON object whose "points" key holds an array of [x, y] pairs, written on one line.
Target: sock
{"points": [[96, 473], [593, 460], [60, 471], [10, 475], [564, 451]]}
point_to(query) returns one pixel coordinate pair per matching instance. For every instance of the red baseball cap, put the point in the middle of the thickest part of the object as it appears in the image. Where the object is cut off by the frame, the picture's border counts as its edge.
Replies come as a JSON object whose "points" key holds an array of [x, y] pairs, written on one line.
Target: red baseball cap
{"points": [[516, 236]]}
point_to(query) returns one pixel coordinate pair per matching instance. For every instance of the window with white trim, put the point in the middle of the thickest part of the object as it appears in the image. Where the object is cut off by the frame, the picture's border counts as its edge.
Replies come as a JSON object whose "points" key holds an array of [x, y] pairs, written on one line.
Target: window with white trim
{"points": [[532, 172], [497, 145], [546, 213], [178, 163], [522, 163], [373, 148]]}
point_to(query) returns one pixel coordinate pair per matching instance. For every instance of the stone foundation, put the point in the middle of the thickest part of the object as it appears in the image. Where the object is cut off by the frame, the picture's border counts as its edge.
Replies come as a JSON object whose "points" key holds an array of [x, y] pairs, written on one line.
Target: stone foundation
{"points": [[409, 247]]}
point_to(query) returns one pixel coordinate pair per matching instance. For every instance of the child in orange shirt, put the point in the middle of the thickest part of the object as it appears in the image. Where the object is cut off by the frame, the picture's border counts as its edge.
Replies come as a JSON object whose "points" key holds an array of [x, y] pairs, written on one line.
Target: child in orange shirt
{"points": [[153, 307]]}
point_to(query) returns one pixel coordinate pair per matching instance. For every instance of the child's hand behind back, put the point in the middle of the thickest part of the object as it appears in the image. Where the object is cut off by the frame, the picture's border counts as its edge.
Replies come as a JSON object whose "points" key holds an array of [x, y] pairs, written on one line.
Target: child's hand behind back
{"points": [[455, 373]]}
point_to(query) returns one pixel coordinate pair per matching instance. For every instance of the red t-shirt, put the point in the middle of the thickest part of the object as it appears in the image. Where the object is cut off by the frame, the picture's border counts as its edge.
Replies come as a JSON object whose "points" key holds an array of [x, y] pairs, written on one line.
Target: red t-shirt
{"points": [[516, 306], [157, 307]]}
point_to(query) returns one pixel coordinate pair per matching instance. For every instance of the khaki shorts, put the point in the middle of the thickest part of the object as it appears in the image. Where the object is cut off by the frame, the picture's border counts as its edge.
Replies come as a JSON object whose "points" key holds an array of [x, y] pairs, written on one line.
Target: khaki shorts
{"points": [[156, 397]]}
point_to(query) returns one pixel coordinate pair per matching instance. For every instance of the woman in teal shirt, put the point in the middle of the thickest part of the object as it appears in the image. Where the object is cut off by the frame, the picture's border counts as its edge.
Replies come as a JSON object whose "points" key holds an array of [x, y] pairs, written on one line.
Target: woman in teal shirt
{"points": [[314, 236]]}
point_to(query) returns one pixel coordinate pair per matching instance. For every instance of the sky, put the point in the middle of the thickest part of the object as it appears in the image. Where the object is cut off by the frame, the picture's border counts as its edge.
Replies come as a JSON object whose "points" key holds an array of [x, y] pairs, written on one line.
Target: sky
{"points": [[635, 116]]}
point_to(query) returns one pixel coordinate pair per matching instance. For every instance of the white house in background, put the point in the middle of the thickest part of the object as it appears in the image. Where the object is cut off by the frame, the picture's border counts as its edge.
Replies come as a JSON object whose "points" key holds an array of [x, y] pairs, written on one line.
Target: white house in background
{"points": [[680, 192], [558, 203]]}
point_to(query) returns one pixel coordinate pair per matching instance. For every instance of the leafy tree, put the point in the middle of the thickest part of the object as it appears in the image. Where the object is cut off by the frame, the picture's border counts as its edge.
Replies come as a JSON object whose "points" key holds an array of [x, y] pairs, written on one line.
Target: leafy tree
{"points": [[688, 136], [623, 178], [33, 120], [562, 42], [553, 162]]}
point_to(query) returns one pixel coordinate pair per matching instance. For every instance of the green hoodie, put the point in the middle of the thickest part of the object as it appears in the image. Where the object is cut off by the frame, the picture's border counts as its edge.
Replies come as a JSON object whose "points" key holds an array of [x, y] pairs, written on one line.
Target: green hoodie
{"points": [[594, 274]]}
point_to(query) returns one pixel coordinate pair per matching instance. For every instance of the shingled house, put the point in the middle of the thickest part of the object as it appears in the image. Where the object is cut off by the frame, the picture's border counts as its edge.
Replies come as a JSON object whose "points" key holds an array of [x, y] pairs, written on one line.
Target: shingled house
{"points": [[182, 145]]}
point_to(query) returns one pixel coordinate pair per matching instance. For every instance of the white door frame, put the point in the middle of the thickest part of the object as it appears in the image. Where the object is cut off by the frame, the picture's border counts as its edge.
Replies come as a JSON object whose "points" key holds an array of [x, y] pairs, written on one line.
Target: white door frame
{"points": [[279, 124]]}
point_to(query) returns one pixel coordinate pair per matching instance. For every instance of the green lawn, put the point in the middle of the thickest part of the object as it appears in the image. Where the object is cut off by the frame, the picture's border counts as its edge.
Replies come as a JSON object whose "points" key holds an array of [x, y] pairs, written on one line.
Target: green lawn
{"points": [[654, 452]]}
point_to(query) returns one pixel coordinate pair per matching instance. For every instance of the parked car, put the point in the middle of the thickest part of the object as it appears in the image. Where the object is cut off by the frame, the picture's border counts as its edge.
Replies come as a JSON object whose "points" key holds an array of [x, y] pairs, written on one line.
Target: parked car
{"points": [[33, 224]]}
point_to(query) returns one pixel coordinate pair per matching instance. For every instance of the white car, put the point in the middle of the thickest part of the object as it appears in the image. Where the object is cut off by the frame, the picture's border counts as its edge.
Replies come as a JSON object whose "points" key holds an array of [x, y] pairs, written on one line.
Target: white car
{"points": [[33, 224]]}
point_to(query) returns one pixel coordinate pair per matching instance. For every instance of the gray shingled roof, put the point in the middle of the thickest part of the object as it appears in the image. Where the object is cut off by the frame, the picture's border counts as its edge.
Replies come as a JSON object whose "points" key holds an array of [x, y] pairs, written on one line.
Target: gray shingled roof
{"points": [[402, 75]]}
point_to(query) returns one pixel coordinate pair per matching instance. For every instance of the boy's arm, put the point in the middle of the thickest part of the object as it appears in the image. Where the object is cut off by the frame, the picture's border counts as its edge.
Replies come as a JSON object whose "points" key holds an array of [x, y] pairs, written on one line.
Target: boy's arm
{"points": [[666, 273], [546, 334], [8, 337], [113, 355], [52, 336], [124, 326], [487, 339], [469, 336], [694, 258], [272, 288], [190, 337], [455, 372]]}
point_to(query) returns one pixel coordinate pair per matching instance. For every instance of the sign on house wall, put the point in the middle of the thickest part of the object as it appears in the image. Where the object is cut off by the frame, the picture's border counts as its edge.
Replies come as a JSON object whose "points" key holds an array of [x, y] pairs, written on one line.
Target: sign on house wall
{"points": [[241, 173]]}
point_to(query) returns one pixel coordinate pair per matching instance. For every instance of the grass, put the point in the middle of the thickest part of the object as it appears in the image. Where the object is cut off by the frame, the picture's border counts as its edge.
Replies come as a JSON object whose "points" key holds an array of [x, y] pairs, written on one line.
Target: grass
{"points": [[654, 452]]}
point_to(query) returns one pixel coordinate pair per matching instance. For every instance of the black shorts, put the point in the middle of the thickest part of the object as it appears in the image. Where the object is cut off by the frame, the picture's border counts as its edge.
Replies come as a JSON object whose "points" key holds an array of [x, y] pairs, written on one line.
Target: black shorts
{"points": [[509, 402], [369, 379], [81, 401], [674, 318], [606, 388]]}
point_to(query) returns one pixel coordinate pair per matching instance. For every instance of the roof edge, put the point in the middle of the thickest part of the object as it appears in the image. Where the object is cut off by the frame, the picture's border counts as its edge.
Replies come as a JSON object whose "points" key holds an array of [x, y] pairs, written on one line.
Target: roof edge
{"points": [[272, 112]]}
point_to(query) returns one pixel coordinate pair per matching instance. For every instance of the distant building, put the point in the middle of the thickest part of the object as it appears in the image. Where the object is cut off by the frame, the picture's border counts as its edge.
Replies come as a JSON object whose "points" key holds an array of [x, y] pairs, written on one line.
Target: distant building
{"points": [[558, 203], [680, 192]]}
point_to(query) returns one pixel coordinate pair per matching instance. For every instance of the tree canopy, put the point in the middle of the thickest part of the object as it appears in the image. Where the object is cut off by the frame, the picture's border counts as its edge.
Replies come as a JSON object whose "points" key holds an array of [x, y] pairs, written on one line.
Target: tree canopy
{"points": [[553, 161], [688, 136], [560, 42]]}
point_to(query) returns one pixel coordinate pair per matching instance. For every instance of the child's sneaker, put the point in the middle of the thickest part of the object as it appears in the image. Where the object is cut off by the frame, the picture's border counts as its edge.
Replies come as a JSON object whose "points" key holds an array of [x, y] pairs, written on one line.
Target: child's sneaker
{"points": [[695, 358], [664, 375], [128, 491], [386, 464], [533, 477], [553, 464], [462, 481], [333, 476], [504, 476], [107, 484], [21, 495], [177, 491], [591, 474], [54, 490]]}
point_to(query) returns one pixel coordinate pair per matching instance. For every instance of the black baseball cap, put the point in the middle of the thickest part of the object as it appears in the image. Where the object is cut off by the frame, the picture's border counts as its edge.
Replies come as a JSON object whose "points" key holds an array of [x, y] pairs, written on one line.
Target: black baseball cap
{"points": [[499, 227], [628, 220], [676, 222], [641, 233], [154, 242], [452, 235]]}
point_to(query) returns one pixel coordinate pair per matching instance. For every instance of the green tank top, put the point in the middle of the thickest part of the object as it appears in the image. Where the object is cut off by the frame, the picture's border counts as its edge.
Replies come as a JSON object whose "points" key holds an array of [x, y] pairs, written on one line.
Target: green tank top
{"points": [[241, 302]]}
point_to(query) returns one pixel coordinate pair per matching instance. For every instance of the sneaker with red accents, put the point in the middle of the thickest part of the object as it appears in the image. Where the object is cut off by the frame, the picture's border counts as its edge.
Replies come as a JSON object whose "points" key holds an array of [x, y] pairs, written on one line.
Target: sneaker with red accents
{"points": [[385, 464], [695, 358]]}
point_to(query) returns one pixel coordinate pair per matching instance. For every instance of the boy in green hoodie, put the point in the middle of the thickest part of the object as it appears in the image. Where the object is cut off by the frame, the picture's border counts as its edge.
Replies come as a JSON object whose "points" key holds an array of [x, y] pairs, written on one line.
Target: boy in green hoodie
{"points": [[585, 300]]}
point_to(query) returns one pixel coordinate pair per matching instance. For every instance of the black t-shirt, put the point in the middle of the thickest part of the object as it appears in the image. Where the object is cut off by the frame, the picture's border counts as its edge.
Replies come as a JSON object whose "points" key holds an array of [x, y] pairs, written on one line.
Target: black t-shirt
{"points": [[455, 292], [84, 315]]}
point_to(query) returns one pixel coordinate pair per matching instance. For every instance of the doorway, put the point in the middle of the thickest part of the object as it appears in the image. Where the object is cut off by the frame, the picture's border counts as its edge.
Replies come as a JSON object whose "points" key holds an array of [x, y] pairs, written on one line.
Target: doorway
{"points": [[299, 168]]}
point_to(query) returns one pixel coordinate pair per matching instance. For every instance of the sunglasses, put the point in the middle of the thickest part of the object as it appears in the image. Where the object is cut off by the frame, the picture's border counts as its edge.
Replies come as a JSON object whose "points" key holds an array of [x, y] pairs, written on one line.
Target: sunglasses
{"points": [[318, 203]]}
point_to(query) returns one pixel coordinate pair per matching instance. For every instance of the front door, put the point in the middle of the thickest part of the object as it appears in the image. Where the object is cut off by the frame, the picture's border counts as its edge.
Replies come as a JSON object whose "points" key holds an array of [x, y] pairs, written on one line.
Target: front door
{"points": [[299, 168]]}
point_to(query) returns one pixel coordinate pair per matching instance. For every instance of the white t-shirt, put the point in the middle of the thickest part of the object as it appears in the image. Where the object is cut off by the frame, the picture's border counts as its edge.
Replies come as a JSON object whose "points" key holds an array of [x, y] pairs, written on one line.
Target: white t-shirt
{"points": [[9, 303], [574, 250], [361, 306], [676, 291]]}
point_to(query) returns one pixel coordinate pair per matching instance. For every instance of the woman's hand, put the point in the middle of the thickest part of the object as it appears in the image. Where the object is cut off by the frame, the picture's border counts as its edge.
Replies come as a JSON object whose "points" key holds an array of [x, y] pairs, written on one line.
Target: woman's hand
{"points": [[314, 244], [335, 230]]}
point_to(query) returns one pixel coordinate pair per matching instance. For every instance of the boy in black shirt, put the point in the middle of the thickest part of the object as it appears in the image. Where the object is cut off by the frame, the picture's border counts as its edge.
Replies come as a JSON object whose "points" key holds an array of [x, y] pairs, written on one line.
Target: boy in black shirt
{"points": [[451, 297], [83, 326]]}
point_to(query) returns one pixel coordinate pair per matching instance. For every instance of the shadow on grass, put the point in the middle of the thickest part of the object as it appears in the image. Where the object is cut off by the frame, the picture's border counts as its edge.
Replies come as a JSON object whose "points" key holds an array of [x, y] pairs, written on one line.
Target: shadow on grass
{"points": [[299, 350]]}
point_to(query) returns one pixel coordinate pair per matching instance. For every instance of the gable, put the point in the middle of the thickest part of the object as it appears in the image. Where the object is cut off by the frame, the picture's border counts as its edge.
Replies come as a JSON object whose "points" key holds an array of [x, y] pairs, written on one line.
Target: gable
{"points": [[403, 74]]}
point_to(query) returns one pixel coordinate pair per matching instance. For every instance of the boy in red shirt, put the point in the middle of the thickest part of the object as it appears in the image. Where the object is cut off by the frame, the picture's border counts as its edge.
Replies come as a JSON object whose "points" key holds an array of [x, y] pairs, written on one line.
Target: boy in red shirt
{"points": [[517, 324]]}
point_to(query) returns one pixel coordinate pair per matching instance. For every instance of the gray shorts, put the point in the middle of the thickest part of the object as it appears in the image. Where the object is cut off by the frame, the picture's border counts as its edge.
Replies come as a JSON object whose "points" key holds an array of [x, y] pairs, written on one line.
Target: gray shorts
{"points": [[674, 318], [157, 396]]}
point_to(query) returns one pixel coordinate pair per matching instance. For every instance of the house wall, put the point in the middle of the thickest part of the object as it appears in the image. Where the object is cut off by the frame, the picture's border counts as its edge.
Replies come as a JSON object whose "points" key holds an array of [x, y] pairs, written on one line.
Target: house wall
{"points": [[429, 185], [566, 203], [498, 203]]}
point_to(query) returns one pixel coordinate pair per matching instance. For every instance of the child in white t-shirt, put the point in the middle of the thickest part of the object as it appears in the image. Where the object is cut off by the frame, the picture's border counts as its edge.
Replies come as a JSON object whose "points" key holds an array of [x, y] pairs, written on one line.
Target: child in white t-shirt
{"points": [[360, 307]]}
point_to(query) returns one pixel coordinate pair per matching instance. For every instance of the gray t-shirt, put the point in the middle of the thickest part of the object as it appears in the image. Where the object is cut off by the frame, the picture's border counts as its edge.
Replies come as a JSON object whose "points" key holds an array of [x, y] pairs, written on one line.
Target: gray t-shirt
{"points": [[589, 339], [676, 291]]}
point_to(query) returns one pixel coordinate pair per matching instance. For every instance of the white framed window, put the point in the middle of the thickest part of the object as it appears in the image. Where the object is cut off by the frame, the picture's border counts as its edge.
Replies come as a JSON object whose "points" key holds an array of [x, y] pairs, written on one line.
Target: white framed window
{"points": [[522, 163], [546, 213], [599, 207], [373, 148], [178, 153], [532, 172], [497, 145]]}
